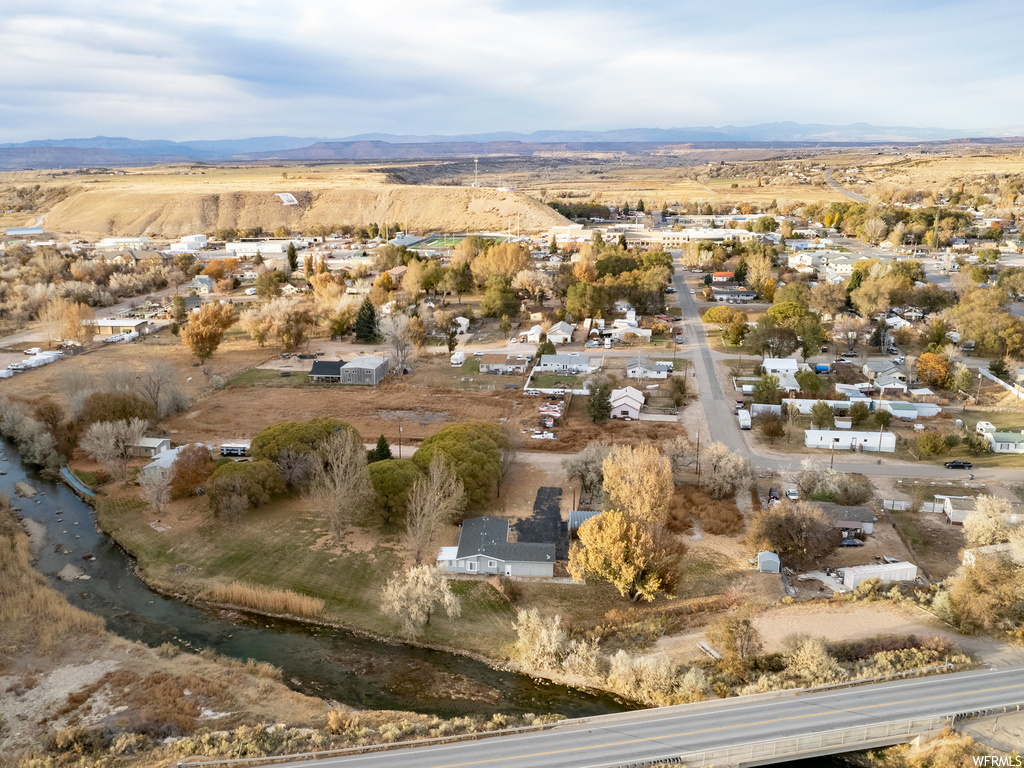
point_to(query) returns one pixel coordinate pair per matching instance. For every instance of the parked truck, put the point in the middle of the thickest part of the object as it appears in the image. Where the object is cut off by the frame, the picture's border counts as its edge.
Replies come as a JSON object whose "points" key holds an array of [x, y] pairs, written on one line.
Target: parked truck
{"points": [[744, 417]]}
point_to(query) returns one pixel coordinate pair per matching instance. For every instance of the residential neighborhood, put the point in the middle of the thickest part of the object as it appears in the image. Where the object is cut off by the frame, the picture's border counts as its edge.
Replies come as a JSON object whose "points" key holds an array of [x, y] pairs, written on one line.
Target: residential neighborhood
{"points": [[600, 453]]}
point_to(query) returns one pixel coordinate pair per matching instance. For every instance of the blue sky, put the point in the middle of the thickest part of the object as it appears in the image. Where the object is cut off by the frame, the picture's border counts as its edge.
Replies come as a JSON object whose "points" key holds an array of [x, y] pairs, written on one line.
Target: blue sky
{"points": [[234, 68]]}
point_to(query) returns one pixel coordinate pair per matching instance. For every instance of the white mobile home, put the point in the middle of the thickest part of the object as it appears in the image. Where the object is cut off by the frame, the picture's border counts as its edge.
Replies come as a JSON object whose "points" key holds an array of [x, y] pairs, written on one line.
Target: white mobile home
{"points": [[846, 440]]}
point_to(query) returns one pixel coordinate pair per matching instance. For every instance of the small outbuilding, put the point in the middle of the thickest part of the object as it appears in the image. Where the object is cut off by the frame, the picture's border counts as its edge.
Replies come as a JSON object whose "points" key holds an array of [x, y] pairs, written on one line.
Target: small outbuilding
{"points": [[151, 446], [768, 562]]}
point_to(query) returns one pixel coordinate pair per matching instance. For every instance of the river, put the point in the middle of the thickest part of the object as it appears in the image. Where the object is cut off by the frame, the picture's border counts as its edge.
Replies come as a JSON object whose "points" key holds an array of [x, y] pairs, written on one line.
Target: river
{"points": [[326, 662]]}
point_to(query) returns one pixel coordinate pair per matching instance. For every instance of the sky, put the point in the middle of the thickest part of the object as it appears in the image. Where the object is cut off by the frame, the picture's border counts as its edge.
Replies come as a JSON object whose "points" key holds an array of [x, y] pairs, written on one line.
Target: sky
{"points": [[215, 69]]}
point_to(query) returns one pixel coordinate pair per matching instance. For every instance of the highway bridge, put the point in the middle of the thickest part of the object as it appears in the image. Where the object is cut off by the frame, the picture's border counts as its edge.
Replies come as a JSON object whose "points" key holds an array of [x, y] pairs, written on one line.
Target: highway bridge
{"points": [[744, 731]]}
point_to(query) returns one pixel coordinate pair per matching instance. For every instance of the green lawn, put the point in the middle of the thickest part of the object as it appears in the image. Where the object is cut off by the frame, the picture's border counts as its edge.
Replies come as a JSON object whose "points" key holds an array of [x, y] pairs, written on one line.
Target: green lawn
{"points": [[257, 377]]}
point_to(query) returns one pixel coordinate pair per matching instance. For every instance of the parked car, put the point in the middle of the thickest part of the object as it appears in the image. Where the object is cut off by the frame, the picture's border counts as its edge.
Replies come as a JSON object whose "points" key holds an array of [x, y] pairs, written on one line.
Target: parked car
{"points": [[677, 319], [693, 292], [592, 344], [792, 493], [851, 543], [848, 354], [958, 464], [773, 494]]}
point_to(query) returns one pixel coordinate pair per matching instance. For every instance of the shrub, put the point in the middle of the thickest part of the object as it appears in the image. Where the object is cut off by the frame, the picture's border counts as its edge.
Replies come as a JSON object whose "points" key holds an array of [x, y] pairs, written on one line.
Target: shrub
{"points": [[257, 481], [474, 450], [931, 444], [298, 436]]}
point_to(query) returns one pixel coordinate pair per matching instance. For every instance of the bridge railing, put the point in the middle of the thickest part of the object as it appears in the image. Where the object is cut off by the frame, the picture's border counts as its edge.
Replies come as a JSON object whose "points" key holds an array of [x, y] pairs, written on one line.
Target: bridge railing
{"points": [[874, 734]]}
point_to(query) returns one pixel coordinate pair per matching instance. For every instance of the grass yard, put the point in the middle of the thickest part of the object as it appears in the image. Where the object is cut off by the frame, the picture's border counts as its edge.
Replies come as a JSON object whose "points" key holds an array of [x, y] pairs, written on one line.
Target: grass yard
{"points": [[950, 488], [284, 546], [549, 380]]}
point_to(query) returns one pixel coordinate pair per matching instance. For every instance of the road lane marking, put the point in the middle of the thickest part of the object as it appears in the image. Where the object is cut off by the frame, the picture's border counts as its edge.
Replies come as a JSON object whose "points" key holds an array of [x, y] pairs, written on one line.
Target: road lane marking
{"points": [[661, 738]]}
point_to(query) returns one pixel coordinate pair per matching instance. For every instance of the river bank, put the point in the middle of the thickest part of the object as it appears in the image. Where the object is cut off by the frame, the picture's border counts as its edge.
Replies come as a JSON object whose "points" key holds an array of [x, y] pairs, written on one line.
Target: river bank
{"points": [[355, 670]]}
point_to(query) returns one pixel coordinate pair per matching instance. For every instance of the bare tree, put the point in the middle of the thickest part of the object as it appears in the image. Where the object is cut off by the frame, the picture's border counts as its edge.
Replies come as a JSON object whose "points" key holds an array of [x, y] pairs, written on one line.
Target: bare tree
{"points": [[723, 472], [296, 468], [155, 380], [587, 466], [875, 230], [394, 329], [681, 454], [433, 501], [988, 523], [111, 442], [413, 596], [118, 378], [76, 385], [156, 487], [340, 480]]}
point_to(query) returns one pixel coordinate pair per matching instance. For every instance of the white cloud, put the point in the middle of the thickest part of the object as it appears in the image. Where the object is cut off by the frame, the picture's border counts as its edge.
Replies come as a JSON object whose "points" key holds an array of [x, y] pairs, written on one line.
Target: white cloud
{"points": [[195, 69]]}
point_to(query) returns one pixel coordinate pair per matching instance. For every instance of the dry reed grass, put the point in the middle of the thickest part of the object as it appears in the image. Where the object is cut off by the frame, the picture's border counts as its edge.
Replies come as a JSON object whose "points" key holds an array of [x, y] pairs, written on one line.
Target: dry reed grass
{"points": [[31, 614], [265, 599]]}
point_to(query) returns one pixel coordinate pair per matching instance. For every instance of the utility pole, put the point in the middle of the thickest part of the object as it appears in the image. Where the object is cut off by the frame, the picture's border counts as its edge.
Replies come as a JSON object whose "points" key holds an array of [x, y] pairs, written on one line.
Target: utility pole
{"points": [[832, 462], [399, 441], [698, 459]]}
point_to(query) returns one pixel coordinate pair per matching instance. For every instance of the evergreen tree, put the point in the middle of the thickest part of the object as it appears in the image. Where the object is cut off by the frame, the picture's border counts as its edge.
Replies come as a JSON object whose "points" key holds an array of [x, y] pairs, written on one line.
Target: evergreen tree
{"points": [[599, 403], [258, 259], [640, 208], [293, 257], [622, 243], [381, 453], [546, 347], [553, 248], [366, 322]]}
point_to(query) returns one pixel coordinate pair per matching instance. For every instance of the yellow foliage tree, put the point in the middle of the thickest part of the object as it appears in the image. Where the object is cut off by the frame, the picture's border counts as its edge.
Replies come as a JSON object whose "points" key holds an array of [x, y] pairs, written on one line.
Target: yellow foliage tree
{"points": [[618, 550], [205, 329], [638, 481]]}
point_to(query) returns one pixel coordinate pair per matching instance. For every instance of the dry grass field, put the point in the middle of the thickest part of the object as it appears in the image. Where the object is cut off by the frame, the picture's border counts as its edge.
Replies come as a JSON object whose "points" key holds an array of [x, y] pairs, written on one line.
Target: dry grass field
{"points": [[170, 201]]}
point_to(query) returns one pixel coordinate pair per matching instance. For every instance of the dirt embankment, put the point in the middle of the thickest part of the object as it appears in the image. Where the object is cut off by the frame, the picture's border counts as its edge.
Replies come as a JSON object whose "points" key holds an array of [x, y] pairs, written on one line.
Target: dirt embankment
{"points": [[167, 213]]}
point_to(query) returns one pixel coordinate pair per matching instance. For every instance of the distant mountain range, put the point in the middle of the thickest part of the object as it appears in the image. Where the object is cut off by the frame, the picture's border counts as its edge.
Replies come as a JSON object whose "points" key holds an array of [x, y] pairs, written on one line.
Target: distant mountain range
{"points": [[116, 151]]}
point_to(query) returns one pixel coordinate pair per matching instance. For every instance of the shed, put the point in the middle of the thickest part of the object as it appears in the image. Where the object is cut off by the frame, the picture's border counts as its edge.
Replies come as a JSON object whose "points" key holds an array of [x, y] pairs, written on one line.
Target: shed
{"points": [[887, 572], [151, 446], [767, 562], [578, 517], [956, 508]]}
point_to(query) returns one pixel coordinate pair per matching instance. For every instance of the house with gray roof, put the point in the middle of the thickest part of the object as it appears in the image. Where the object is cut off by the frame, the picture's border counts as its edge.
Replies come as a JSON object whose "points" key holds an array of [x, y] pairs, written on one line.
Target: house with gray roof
{"points": [[642, 368], [877, 369], [484, 548], [201, 284]]}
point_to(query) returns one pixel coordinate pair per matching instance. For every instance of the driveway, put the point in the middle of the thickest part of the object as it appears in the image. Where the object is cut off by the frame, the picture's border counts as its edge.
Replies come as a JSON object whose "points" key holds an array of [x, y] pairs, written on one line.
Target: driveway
{"points": [[546, 525]]}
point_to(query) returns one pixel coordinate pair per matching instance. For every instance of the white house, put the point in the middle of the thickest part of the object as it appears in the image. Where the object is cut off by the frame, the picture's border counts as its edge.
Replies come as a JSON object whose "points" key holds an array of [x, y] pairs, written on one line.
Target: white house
{"points": [[642, 368], [886, 572], [846, 440], [620, 331], [626, 403], [201, 284], [571, 363], [560, 333], [777, 366], [484, 548]]}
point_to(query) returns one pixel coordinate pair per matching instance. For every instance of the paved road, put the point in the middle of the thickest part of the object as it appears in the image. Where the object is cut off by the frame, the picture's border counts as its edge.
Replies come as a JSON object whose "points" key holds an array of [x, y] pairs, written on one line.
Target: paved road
{"points": [[724, 427], [843, 190], [672, 731]]}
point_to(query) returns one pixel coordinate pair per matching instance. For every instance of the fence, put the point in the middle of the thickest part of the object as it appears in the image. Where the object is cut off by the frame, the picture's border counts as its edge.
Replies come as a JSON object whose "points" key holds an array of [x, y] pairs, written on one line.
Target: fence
{"points": [[1017, 390], [903, 506]]}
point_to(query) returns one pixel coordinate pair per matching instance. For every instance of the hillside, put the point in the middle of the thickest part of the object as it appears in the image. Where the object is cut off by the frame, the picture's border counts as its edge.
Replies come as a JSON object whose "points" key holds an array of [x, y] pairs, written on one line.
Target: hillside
{"points": [[163, 213]]}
